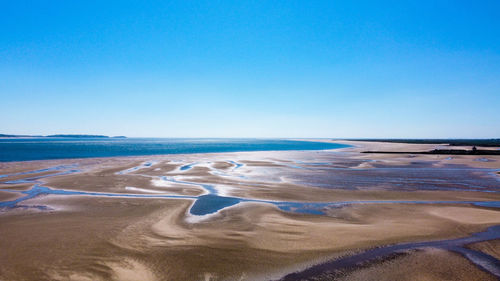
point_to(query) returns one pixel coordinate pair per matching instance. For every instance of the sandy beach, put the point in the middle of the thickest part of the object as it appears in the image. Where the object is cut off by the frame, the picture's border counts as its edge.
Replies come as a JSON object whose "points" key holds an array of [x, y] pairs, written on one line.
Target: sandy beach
{"points": [[265, 214]]}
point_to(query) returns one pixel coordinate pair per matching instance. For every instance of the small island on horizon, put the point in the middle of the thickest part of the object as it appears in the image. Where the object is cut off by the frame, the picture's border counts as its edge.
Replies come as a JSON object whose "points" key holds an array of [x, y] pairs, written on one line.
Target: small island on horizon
{"points": [[61, 136]]}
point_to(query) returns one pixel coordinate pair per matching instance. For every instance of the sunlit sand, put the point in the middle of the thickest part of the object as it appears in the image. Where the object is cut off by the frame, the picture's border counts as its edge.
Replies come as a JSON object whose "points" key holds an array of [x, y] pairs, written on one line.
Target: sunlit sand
{"points": [[270, 214]]}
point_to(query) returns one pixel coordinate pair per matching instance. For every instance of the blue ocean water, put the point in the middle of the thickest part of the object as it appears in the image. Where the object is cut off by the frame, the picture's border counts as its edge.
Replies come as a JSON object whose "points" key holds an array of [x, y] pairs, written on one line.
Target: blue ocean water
{"points": [[22, 149]]}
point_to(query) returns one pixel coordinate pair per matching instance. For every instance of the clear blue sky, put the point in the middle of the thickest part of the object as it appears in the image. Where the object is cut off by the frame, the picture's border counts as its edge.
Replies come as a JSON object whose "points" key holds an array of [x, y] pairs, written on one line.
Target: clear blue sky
{"points": [[409, 69]]}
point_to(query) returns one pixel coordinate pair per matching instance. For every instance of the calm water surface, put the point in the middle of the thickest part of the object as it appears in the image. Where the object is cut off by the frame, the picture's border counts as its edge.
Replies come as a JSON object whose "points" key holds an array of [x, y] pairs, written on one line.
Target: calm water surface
{"points": [[22, 149]]}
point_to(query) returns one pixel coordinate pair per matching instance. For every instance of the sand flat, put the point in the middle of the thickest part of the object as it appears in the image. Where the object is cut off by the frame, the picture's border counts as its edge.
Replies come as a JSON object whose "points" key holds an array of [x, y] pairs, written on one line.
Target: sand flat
{"points": [[491, 248], [425, 265], [91, 237]]}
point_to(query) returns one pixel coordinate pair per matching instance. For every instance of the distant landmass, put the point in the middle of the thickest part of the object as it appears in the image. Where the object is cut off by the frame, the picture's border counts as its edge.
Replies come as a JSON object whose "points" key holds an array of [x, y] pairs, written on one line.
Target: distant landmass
{"points": [[60, 136], [473, 151], [17, 136], [451, 142]]}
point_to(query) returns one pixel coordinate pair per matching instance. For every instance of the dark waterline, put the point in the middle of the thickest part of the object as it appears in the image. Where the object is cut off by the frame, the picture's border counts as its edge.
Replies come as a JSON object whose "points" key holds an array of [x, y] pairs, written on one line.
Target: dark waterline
{"points": [[22, 149]]}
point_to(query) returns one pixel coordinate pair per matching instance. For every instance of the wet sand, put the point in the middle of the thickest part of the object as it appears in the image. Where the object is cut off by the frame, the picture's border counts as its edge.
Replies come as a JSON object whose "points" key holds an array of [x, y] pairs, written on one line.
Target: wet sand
{"points": [[428, 264], [6, 196], [89, 237], [491, 248]]}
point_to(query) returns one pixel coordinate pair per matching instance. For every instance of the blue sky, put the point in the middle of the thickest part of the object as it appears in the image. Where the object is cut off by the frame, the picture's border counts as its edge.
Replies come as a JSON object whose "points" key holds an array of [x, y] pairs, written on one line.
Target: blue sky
{"points": [[402, 69]]}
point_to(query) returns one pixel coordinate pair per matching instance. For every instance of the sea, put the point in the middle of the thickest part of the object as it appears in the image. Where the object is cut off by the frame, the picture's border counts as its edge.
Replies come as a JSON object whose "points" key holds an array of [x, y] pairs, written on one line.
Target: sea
{"points": [[24, 149]]}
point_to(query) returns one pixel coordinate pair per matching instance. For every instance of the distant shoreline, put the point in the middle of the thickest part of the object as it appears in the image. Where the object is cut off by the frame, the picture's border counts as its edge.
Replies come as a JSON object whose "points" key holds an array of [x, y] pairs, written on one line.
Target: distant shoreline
{"points": [[442, 152], [451, 142], [61, 136]]}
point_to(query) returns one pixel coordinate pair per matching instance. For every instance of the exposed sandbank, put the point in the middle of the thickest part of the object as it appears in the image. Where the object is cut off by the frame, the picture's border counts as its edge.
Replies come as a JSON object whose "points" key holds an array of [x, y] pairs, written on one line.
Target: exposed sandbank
{"points": [[101, 238]]}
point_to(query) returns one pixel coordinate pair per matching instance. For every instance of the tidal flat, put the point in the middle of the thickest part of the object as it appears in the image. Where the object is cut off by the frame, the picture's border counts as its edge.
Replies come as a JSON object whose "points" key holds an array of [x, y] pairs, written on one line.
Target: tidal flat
{"points": [[252, 216]]}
